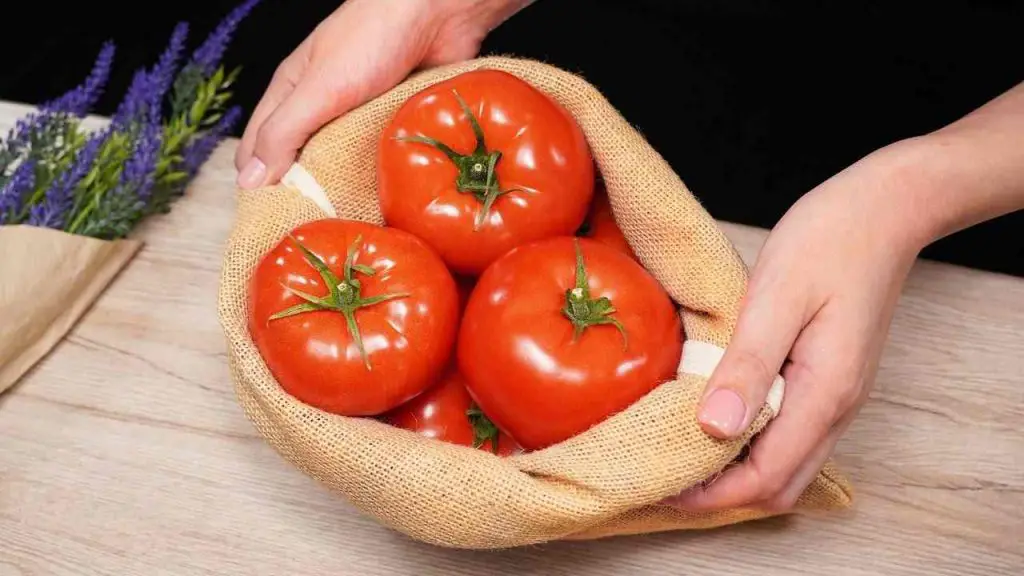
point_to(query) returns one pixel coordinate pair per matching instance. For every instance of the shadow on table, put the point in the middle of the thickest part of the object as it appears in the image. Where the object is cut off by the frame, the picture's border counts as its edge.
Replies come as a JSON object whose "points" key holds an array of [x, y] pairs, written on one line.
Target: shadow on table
{"points": [[671, 550]]}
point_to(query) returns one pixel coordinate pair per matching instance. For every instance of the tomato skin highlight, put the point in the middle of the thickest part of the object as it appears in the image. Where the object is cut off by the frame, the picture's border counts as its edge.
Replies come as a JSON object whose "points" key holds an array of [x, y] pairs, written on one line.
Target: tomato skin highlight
{"points": [[440, 413], [601, 225], [517, 352], [407, 340], [545, 168]]}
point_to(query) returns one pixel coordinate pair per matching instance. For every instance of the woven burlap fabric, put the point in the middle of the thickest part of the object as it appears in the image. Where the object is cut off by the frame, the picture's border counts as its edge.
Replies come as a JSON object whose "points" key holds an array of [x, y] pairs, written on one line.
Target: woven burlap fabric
{"points": [[604, 482]]}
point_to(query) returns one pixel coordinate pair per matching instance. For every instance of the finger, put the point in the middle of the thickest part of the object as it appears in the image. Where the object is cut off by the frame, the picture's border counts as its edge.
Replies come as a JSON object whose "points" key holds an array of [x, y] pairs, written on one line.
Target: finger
{"points": [[809, 411], [786, 498], [316, 100], [281, 85], [774, 311], [252, 171]]}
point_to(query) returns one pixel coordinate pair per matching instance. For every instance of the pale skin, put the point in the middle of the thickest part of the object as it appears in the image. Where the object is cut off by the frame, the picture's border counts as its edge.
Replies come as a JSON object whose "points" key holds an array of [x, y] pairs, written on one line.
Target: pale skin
{"points": [[823, 290]]}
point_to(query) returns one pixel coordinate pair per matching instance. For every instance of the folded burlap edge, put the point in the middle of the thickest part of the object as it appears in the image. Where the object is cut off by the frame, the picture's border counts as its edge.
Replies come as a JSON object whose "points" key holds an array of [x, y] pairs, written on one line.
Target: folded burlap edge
{"points": [[646, 479]]}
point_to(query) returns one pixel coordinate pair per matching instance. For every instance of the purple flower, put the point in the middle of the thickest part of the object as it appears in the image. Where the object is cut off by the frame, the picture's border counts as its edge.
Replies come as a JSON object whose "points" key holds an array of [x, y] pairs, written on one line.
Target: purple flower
{"points": [[52, 116], [198, 151], [162, 74], [14, 191], [146, 92], [52, 212], [81, 99], [134, 103], [209, 53], [139, 170]]}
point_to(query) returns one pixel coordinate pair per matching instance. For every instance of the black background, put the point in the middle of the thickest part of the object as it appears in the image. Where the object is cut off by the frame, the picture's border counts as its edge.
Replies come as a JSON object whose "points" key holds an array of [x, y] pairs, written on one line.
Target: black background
{"points": [[753, 103]]}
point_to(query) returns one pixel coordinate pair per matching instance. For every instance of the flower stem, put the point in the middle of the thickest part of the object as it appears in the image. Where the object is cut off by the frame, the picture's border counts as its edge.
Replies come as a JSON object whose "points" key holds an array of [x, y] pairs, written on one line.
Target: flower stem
{"points": [[584, 311], [344, 295]]}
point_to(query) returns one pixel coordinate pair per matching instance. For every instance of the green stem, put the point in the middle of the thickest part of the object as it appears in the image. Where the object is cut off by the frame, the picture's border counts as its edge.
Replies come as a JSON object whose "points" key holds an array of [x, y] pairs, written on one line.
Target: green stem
{"points": [[483, 428], [584, 311], [344, 294], [476, 171]]}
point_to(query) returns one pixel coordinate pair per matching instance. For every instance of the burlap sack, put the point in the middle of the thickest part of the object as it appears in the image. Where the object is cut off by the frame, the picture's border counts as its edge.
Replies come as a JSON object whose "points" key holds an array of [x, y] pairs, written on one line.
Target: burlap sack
{"points": [[604, 482]]}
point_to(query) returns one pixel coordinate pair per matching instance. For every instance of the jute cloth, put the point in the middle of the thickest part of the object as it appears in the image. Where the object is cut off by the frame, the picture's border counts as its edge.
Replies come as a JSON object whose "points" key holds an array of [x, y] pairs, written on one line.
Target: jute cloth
{"points": [[606, 481]]}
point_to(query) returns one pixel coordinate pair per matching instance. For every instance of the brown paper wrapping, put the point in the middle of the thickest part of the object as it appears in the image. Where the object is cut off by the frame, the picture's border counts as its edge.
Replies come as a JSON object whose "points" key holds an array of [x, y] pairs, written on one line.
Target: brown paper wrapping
{"points": [[608, 480], [48, 279]]}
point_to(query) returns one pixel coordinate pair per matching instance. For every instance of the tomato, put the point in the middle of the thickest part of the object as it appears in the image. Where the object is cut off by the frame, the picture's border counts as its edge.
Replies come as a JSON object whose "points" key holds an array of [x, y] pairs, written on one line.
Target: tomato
{"points": [[560, 334], [601, 225], [446, 412], [353, 318], [481, 163]]}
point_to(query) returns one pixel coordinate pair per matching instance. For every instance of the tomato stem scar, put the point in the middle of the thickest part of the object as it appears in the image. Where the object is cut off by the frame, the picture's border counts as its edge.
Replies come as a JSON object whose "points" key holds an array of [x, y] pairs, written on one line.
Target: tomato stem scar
{"points": [[483, 428], [476, 174], [584, 311], [344, 295]]}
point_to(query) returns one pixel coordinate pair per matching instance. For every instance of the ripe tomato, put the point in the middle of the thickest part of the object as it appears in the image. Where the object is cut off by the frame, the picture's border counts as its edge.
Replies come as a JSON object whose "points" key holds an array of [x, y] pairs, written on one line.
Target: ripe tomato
{"points": [[353, 318], [560, 334], [481, 163], [446, 412], [601, 225]]}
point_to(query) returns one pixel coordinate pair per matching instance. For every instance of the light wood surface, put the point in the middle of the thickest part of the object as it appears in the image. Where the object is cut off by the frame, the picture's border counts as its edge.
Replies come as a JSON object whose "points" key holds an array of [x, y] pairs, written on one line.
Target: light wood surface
{"points": [[125, 453]]}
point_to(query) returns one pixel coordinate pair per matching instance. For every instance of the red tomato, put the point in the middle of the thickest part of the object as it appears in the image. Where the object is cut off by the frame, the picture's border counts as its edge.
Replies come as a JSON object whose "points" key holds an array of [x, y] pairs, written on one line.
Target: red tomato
{"points": [[447, 412], [361, 322], [481, 163], [601, 225], [558, 336]]}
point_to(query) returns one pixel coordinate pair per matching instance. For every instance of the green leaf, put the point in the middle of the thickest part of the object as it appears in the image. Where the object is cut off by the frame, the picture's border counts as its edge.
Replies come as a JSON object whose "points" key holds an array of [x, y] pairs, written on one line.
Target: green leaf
{"points": [[196, 112], [211, 120], [172, 177], [223, 97], [232, 76], [218, 77], [174, 141]]}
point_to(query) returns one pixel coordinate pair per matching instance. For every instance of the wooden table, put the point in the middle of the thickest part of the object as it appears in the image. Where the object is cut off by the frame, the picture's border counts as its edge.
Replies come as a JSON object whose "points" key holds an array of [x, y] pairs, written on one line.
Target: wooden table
{"points": [[125, 453]]}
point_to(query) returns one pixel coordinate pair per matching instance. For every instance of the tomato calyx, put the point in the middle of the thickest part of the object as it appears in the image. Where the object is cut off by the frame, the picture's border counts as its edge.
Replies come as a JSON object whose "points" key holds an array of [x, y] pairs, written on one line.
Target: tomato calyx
{"points": [[584, 311], [344, 295], [483, 428], [476, 170]]}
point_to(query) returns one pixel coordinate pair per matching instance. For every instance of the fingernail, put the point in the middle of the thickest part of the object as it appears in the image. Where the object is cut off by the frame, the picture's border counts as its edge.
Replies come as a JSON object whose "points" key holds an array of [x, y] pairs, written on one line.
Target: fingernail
{"points": [[252, 174], [724, 411]]}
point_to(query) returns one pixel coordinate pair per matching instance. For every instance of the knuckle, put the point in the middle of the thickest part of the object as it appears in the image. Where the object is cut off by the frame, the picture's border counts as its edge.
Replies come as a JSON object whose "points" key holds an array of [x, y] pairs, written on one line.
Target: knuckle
{"points": [[849, 394], [772, 485], [286, 73], [267, 139], [781, 504], [750, 370], [771, 481]]}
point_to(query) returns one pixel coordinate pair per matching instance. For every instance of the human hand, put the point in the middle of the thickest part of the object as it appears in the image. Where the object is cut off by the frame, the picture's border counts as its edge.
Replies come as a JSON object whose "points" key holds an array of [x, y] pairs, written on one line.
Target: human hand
{"points": [[361, 50], [817, 310]]}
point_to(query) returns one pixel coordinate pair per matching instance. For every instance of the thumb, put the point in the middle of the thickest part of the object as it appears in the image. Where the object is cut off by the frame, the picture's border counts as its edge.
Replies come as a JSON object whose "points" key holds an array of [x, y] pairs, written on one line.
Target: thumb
{"points": [[310, 105], [769, 323]]}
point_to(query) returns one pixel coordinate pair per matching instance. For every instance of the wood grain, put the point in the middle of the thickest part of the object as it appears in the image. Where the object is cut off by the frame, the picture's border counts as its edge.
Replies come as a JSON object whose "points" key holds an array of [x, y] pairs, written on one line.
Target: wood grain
{"points": [[124, 451]]}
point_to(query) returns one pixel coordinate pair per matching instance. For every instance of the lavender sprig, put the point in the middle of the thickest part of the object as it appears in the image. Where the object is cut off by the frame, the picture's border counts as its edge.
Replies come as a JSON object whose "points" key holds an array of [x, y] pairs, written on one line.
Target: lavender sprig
{"points": [[16, 190], [148, 88], [117, 211], [80, 100], [53, 211], [54, 118], [52, 174], [209, 53], [199, 150]]}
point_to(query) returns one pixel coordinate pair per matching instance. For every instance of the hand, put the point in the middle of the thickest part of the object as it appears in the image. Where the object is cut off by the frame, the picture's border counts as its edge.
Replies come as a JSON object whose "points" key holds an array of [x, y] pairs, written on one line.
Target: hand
{"points": [[360, 51], [818, 309]]}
